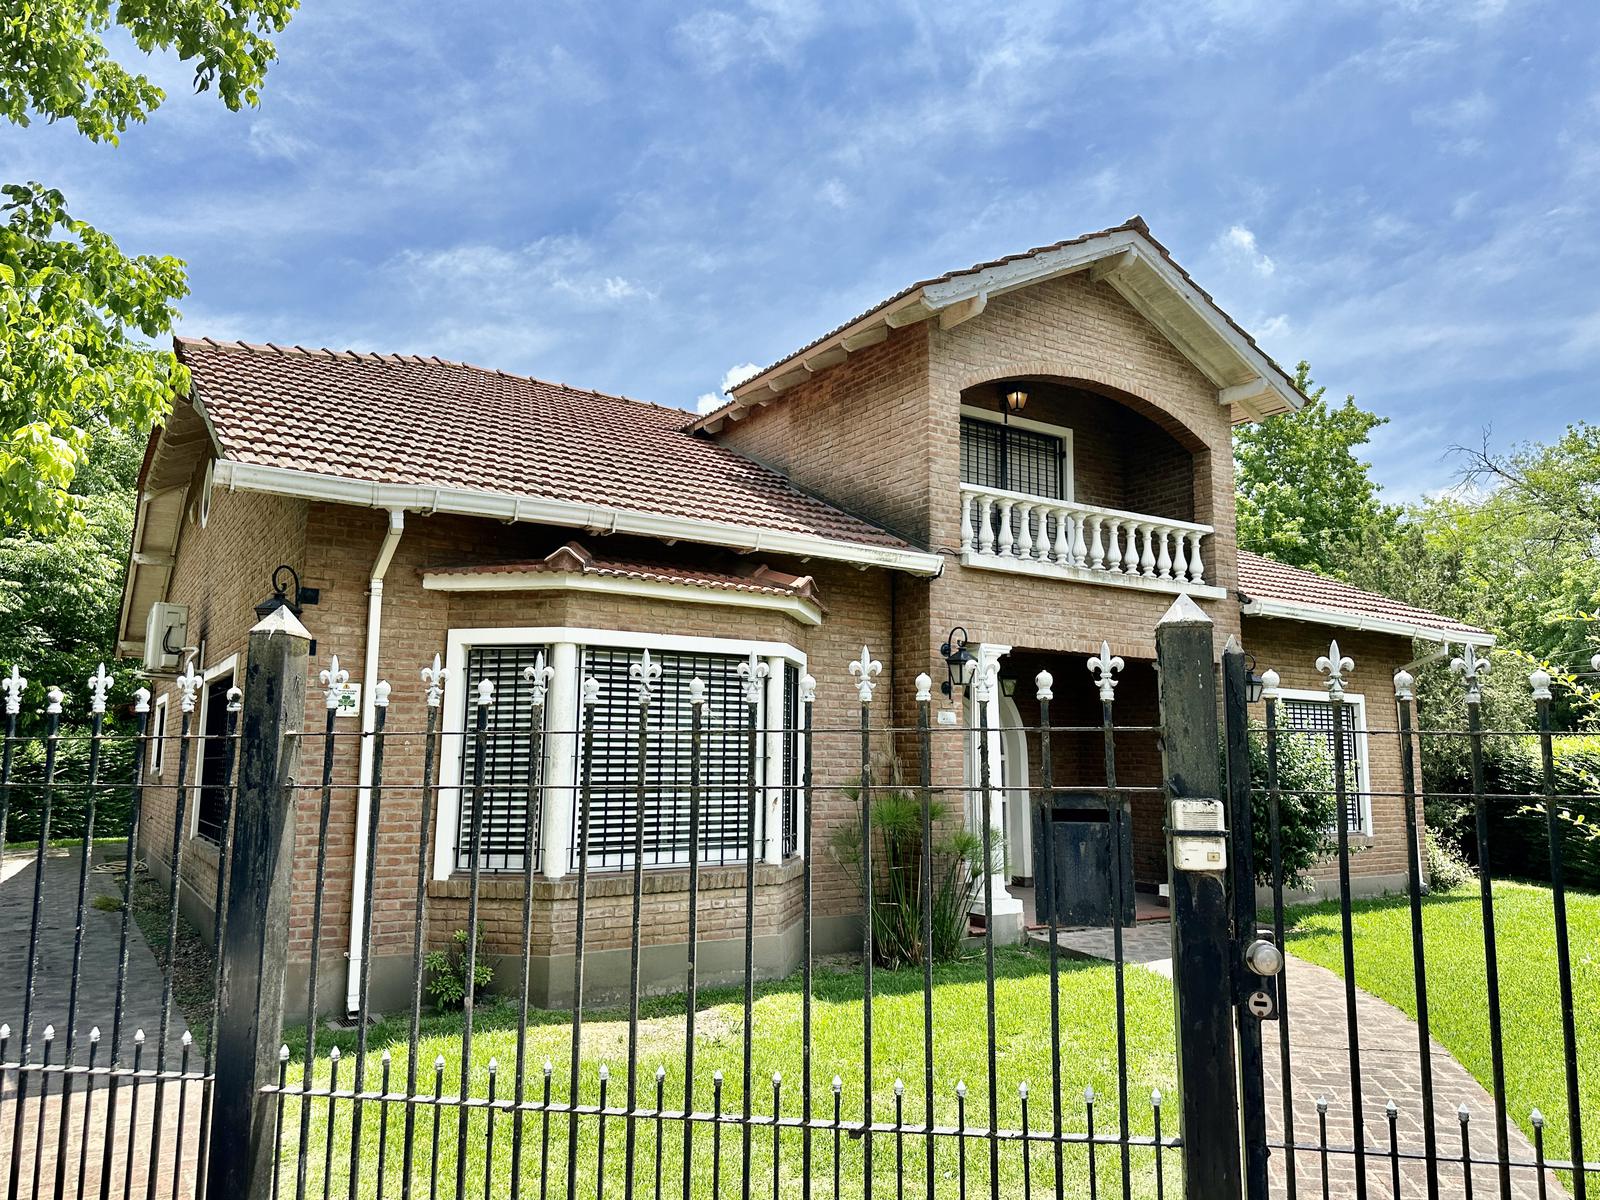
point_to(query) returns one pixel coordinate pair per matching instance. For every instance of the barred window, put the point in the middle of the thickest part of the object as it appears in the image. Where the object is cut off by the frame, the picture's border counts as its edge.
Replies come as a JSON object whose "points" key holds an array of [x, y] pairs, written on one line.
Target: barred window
{"points": [[509, 816], [793, 779], [1315, 716], [1013, 459], [212, 807]]}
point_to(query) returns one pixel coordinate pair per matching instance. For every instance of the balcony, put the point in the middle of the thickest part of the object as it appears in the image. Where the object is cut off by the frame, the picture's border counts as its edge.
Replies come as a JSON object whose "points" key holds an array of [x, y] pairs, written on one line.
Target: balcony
{"points": [[1060, 539]]}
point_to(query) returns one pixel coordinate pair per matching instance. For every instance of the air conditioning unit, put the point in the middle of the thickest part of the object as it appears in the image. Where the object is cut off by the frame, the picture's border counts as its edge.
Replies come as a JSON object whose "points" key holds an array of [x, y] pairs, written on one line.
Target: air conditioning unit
{"points": [[165, 630]]}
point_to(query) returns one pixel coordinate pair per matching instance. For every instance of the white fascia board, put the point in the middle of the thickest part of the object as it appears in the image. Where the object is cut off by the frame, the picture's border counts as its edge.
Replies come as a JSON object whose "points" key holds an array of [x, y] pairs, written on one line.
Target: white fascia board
{"points": [[467, 502], [1290, 610], [797, 607]]}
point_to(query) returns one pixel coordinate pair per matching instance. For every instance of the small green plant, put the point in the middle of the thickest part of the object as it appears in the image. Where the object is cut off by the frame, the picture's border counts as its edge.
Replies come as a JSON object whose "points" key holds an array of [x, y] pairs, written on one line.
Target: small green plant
{"points": [[107, 903], [1447, 869], [447, 972], [897, 871]]}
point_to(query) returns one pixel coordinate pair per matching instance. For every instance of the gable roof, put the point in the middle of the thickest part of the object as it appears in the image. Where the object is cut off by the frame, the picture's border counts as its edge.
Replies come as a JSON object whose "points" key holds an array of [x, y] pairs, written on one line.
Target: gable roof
{"points": [[1268, 588], [400, 431], [1124, 256]]}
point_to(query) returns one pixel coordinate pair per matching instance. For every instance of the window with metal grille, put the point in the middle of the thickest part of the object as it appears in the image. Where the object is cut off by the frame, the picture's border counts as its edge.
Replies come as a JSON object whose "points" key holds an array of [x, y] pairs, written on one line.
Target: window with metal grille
{"points": [[1013, 459], [792, 780], [509, 816], [212, 805], [614, 770], [1315, 716]]}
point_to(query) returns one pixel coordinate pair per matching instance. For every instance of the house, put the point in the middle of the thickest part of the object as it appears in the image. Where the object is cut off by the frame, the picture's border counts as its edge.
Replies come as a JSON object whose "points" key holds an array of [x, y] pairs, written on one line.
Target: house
{"points": [[1035, 450]]}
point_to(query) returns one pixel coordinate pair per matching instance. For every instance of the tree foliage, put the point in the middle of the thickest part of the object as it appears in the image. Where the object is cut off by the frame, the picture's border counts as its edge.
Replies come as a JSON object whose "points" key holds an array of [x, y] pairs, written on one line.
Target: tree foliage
{"points": [[75, 353], [1304, 493]]}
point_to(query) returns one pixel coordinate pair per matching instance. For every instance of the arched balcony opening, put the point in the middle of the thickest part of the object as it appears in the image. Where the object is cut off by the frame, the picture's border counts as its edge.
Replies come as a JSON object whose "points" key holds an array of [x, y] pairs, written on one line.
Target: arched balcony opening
{"points": [[1063, 478]]}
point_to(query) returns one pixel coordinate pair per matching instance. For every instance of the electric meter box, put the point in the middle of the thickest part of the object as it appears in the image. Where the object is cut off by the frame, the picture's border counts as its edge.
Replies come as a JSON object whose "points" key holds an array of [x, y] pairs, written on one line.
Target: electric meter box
{"points": [[1200, 834]]}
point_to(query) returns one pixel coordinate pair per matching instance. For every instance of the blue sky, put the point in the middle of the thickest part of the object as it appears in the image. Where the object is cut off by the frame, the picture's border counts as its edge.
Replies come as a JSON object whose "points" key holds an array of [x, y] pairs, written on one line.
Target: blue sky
{"points": [[639, 198]]}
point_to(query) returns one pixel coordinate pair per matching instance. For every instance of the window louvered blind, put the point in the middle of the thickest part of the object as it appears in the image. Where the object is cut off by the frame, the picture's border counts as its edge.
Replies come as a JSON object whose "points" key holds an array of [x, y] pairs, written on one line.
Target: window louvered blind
{"points": [[1316, 717], [792, 781], [614, 772], [508, 774]]}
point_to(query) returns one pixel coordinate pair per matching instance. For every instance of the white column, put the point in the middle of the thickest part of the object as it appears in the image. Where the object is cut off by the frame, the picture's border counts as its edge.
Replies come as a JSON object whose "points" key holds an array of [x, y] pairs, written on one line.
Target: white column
{"points": [[772, 725], [556, 830], [1005, 904]]}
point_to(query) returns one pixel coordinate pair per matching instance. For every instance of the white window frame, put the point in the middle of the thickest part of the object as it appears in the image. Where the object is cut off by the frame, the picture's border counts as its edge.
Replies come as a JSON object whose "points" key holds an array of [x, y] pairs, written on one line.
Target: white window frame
{"points": [[1069, 482], [561, 750], [1357, 702], [210, 675], [157, 766]]}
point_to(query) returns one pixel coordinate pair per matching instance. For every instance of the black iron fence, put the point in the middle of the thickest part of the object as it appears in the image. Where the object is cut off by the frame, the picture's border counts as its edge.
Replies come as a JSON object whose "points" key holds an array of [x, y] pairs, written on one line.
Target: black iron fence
{"points": [[810, 1011]]}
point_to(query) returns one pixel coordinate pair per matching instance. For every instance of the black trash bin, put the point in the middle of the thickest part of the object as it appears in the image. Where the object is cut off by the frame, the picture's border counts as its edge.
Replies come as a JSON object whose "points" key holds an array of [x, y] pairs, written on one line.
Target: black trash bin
{"points": [[1084, 891]]}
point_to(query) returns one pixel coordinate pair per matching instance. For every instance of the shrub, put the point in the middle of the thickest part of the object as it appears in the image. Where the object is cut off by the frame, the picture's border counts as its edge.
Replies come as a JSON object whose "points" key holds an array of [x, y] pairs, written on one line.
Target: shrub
{"points": [[1519, 838], [1446, 867], [897, 872], [1306, 806], [447, 972]]}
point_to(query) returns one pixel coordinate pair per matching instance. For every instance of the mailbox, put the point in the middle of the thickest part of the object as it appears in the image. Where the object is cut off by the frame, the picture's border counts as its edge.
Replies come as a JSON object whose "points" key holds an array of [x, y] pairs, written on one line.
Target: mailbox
{"points": [[1199, 834]]}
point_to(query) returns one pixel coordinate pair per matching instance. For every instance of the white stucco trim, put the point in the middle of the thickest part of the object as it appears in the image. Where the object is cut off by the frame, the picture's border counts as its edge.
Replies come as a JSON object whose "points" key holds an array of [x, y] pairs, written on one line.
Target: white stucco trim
{"points": [[749, 539], [798, 607], [1294, 610], [157, 766], [1358, 702], [564, 646]]}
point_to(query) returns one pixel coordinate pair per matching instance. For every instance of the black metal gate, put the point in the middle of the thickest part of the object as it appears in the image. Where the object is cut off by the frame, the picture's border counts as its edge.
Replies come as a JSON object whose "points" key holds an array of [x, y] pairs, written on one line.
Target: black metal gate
{"points": [[933, 1060]]}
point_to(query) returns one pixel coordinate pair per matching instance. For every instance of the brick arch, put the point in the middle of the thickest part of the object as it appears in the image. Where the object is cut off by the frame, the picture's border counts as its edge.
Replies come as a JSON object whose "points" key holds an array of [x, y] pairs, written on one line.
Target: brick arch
{"points": [[1091, 377]]}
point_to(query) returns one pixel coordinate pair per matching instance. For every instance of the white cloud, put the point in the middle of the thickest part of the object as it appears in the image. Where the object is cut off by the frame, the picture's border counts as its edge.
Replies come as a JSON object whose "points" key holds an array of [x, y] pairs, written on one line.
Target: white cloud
{"points": [[731, 378], [1240, 243], [715, 39]]}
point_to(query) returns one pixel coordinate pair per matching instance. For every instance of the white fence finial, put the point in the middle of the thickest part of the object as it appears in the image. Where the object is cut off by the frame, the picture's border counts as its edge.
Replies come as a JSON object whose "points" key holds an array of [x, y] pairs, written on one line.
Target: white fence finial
{"points": [[485, 692], [1270, 681], [753, 672], [1335, 666], [1405, 686], [99, 685], [55, 697], [141, 700], [1044, 685], [697, 692], [1594, 663], [13, 685], [235, 699], [333, 677], [380, 693], [590, 691], [924, 687], [644, 674], [189, 687], [1539, 681], [1104, 665], [435, 677], [1470, 667], [538, 677], [864, 668], [808, 688]]}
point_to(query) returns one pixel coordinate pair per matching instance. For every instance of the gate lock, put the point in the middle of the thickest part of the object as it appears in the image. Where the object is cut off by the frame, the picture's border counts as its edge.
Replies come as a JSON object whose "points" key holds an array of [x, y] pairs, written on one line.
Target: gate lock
{"points": [[1263, 963]]}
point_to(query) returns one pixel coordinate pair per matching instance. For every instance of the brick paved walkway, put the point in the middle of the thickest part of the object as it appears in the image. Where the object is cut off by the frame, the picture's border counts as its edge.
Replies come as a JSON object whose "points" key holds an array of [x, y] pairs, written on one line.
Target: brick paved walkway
{"points": [[96, 999], [1320, 1066]]}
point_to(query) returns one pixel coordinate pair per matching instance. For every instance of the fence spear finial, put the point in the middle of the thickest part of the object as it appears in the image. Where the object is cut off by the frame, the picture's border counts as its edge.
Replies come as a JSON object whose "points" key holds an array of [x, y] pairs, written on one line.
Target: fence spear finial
{"points": [[13, 685], [99, 685], [752, 672], [1270, 681], [1103, 666], [1335, 665], [54, 696], [644, 674], [189, 687], [435, 677], [808, 688], [1470, 667], [1539, 681], [864, 668], [538, 678], [334, 678], [1044, 685], [1405, 686]]}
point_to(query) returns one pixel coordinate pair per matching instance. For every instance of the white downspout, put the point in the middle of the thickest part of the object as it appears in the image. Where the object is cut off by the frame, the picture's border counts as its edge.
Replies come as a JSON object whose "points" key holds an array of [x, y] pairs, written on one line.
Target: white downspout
{"points": [[358, 880]]}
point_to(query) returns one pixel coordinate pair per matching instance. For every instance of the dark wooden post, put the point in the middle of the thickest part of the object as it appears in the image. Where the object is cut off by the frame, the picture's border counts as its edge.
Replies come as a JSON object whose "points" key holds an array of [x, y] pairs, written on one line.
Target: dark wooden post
{"points": [[1202, 970], [254, 951]]}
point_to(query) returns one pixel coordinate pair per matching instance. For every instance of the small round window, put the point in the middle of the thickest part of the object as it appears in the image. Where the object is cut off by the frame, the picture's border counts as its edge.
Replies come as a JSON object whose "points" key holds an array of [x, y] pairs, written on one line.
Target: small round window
{"points": [[202, 508]]}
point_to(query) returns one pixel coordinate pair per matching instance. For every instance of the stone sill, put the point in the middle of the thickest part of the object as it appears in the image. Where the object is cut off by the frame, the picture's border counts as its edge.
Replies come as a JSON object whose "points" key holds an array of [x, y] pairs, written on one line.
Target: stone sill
{"points": [[656, 881], [1049, 570]]}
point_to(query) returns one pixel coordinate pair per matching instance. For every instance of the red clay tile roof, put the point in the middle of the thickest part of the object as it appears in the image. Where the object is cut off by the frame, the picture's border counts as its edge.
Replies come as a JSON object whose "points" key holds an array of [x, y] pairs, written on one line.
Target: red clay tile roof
{"points": [[388, 418], [574, 558], [1265, 579], [1135, 224]]}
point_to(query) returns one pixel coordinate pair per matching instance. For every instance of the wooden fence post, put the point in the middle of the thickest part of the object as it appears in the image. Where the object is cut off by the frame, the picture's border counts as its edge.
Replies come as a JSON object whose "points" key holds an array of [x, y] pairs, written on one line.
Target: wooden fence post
{"points": [[254, 952]]}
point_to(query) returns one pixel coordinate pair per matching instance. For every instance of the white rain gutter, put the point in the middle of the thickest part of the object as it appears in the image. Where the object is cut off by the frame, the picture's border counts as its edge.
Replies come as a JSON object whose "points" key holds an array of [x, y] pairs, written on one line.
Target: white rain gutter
{"points": [[1315, 614], [369, 719]]}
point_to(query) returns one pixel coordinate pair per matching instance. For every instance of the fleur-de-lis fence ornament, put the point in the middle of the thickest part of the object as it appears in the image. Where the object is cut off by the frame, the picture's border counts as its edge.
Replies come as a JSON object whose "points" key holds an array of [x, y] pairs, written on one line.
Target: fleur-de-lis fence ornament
{"points": [[808, 688], [1539, 681], [753, 673], [645, 673], [1103, 667], [865, 669], [1335, 666], [99, 685], [924, 688], [334, 679], [697, 692], [1405, 686], [141, 700], [1471, 668], [538, 678], [1270, 680], [54, 697], [485, 693], [1044, 685], [189, 687], [13, 685], [380, 693], [985, 681], [435, 676]]}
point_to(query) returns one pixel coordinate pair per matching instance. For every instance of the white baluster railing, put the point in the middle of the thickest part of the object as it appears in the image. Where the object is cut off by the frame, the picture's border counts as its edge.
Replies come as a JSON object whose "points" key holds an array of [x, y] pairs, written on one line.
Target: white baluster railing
{"points": [[1085, 539]]}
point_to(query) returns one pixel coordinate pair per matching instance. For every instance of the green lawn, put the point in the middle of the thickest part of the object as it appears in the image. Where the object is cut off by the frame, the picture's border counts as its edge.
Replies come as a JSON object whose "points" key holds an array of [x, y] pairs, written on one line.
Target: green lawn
{"points": [[1023, 1037], [1458, 997]]}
